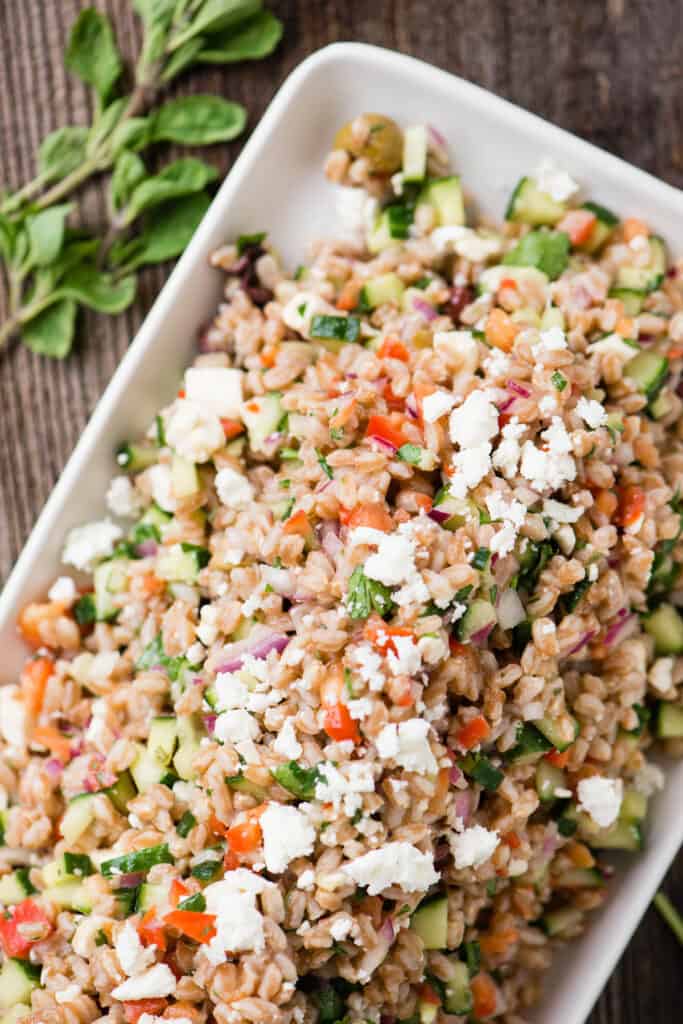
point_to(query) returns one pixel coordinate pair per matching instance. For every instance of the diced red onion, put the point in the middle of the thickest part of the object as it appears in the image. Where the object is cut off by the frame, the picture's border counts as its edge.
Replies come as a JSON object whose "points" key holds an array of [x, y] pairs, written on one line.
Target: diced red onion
{"points": [[517, 388], [53, 767], [146, 548], [585, 639], [383, 443], [615, 629], [463, 805], [329, 539], [550, 844], [507, 404], [482, 635], [411, 406], [130, 881], [510, 609], [436, 135], [210, 723], [438, 515], [387, 929], [425, 308], [645, 339], [455, 775], [259, 648]]}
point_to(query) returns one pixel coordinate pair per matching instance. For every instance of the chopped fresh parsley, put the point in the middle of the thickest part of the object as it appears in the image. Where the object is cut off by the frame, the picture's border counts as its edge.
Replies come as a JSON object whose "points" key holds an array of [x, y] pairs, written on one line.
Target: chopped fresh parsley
{"points": [[186, 824], [339, 328], [196, 902], [298, 781], [324, 464], [411, 453], [287, 509], [154, 655], [366, 595], [481, 558], [245, 242], [85, 610], [559, 380]]}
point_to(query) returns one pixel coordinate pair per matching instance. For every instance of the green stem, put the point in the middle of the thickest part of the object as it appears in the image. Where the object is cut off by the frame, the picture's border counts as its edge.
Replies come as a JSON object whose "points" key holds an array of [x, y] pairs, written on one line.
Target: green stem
{"points": [[68, 184], [670, 915], [14, 201]]}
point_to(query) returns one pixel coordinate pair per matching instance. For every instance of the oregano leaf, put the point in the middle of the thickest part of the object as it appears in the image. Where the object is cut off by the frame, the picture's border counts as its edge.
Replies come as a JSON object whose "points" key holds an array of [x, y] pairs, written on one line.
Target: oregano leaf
{"points": [[62, 151], [253, 40], [216, 16], [182, 58], [129, 171], [51, 333], [46, 233], [92, 53], [197, 120], [181, 178], [97, 289], [168, 229]]}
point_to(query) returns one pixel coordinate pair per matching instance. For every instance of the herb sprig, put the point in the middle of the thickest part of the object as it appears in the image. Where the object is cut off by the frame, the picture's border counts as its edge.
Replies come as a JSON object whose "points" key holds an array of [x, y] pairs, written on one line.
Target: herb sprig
{"points": [[52, 269]]}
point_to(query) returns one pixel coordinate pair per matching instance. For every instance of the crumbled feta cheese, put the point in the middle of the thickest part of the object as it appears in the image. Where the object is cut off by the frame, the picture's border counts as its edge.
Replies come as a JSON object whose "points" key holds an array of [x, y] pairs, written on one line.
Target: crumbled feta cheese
{"points": [[548, 404], [236, 726], [458, 349], [591, 412], [614, 345], [553, 339], [512, 513], [356, 211], [649, 780], [63, 591], [497, 364], [239, 924], [218, 389], [474, 422], [433, 649], [403, 656], [306, 880], [340, 928], [12, 717], [369, 666], [408, 745], [122, 498], [560, 512], [195, 654], [601, 798], [473, 846], [660, 676], [286, 744], [231, 692], [344, 786], [360, 709], [471, 466], [400, 864], [86, 545], [133, 956], [554, 181], [233, 488], [302, 307], [436, 405], [507, 454], [156, 983], [592, 572], [552, 467], [465, 242], [194, 431], [160, 484], [287, 834], [207, 630], [394, 561]]}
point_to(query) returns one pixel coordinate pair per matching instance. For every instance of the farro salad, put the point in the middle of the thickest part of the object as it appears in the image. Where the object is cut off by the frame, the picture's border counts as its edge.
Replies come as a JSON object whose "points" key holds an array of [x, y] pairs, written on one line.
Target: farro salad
{"points": [[348, 695]]}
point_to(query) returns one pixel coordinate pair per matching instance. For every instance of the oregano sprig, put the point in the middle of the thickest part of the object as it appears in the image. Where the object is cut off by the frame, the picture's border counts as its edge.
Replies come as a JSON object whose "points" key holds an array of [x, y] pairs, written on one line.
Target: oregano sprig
{"points": [[51, 269]]}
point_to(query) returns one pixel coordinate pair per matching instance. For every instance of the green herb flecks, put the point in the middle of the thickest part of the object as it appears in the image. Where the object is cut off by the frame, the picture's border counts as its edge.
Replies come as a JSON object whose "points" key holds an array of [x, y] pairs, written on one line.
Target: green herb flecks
{"points": [[366, 595]]}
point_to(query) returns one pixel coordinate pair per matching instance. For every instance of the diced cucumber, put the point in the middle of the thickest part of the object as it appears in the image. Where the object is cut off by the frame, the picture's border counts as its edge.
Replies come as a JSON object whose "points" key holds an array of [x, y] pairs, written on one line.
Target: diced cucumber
{"points": [[558, 736], [190, 734], [580, 878], [633, 806], [135, 457], [379, 236], [660, 406], [665, 625], [558, 922], [479, 618], [77, 817], [155, 516], [648, 370], [244, 785], [602, 229], [138, 860], [181, 563], [445, 197], [649, 277], [146, 772], [490, 279], [528, 205], [153, 761], [18, 978], [379, 290], [71, 895], [122, 792], [261, 416], [184, 477], [669, 721], [152, 895], [70, 867], [623, 835], [430, 922], [109, 578], [552, 317], [15, 887], [458, 994], [14, 1014], [530, 745], [548, 779], [414, 166], [458, 510], [632, 298]]}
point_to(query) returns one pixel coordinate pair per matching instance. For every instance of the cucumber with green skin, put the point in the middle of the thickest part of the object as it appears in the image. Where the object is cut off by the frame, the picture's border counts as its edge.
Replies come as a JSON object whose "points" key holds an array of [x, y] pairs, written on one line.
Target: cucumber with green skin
{"points": [[530, 745], [649, 277], [557, 922], [134, 457], [430, 922], [648, 370], [605, 223], [414, 166], [548, 779], [458, 997], [18, 978], [529, 205], [480, 616], [669, 722], [665, 626], [15, 887], [550, 728], [445, 197], [632, 298], [137, 861], [383, 289]]}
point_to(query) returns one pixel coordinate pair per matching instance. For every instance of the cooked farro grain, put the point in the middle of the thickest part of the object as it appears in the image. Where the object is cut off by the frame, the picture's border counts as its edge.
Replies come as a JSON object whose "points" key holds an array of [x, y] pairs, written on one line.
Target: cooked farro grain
{"points": [[340, 727]]}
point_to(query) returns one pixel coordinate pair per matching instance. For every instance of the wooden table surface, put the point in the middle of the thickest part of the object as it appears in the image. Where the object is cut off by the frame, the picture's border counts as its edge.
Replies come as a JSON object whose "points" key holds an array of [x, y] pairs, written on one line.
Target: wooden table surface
{"points": [[608, 70]]}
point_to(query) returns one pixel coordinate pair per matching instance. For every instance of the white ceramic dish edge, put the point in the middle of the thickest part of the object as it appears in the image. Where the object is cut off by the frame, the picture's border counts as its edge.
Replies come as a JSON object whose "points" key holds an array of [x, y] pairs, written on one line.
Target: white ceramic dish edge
{"points": [[276, 182]]}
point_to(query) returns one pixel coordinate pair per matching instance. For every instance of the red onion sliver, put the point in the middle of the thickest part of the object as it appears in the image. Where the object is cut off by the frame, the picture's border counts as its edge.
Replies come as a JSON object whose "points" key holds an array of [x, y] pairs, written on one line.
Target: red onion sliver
{"points": [[425, 308], [482, 635], [615, 629], [146, 548], [387, 929], [259, 648], [463, 805], [507, 404], [53, 767], [455, 775], [210, 723], [130, 881], [437, 515], [517, 388]]}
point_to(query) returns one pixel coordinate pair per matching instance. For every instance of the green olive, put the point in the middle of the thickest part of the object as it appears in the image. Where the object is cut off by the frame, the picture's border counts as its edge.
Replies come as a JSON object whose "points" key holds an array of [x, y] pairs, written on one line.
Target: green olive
{"points": [[376, 138]]}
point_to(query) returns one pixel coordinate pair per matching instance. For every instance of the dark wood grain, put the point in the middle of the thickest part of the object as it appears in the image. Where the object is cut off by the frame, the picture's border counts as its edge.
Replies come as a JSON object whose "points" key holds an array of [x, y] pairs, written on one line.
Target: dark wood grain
{"points": [[608, 70]]}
